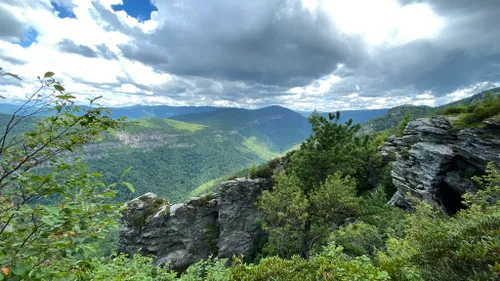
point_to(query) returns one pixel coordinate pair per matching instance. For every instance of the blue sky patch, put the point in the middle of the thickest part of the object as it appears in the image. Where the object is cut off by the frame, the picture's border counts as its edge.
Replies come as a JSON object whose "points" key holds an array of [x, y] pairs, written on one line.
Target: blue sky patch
{"points": [[63, 12], [29, 37], [141, 10]]}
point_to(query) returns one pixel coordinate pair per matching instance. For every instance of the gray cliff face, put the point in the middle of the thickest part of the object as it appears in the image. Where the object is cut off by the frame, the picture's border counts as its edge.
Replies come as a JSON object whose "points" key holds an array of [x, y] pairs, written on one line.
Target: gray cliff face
{"points": [[223, 225], [238, 215], [434, 162]]}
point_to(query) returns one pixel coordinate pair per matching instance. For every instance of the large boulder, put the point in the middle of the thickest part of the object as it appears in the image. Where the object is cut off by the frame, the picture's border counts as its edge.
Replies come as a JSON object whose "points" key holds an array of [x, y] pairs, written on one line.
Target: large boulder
{"points": [[223, 224]]}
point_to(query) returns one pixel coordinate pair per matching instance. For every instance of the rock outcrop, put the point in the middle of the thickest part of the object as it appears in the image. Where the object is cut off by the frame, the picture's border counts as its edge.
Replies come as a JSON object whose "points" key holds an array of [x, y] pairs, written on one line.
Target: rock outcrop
{"points": [[223, 224], [240, 232], [434, 162]]}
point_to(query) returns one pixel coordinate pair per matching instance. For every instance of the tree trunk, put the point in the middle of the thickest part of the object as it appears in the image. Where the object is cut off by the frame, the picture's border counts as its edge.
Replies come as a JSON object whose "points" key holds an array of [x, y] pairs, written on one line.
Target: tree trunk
{"points": [[305, 239]]}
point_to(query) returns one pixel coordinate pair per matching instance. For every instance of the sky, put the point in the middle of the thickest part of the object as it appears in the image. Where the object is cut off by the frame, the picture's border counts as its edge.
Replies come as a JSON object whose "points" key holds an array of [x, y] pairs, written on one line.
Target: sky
{"points": [[302, 54]]}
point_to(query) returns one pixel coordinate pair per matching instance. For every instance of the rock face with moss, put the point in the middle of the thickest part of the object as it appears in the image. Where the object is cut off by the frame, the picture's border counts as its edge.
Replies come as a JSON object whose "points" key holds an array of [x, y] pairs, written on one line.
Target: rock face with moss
{"points": [[223, 224], [434, 161], [179, 234]]}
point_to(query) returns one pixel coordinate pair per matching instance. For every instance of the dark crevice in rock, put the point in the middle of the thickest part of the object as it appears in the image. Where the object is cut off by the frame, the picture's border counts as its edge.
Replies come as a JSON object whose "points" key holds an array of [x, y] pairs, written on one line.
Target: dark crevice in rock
{"points": [[450, 199]]}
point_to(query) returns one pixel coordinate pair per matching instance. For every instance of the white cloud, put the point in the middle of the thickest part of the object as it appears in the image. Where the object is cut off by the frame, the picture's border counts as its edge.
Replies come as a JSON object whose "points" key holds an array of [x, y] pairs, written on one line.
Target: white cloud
{"points": [[318, 87], [385, 24], [382, 21], [426, 95], [128, 88], [468, 91]]}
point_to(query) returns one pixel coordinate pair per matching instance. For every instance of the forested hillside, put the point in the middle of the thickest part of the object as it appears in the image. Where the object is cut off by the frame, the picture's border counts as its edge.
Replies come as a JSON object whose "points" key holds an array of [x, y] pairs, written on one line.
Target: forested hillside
{"points": [[275, 126], [391, 119], [171, 157]]}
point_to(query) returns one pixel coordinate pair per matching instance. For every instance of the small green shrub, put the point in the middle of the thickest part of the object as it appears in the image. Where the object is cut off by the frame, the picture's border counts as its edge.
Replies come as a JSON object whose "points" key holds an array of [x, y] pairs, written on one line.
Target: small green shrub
{"points": [[123, 268], [141, 217], [405, 154], [455, 110], [358, 239], [332, 264], [403, 123]]}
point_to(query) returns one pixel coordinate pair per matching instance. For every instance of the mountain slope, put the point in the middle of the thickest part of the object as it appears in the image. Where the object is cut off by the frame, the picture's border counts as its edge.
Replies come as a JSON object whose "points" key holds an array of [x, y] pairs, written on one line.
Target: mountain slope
{"points": [[160, 111], [277, 127], [170, 158], [391, 119]]}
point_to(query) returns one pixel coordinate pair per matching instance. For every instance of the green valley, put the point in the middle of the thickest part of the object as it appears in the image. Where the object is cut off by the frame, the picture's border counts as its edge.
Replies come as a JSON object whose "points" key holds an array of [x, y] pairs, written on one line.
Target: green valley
{"points": [[172, 157]]}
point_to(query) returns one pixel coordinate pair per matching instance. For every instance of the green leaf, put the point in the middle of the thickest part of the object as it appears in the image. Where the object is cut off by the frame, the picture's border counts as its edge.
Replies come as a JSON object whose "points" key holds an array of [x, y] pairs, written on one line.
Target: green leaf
{"points": [[108, 194], [52, 209], [129, 186], [13, 75], [19, 269], [59, 88], [126, 171], [48, 74]]}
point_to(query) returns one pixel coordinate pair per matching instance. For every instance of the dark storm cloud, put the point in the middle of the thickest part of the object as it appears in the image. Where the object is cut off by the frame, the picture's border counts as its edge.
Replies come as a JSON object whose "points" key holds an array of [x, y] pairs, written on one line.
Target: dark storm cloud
{"points": [[106, 53], [262, 41], [145, 53], [71, 47], [466, 51], [273, 45], [10, 25], [12, 60]]}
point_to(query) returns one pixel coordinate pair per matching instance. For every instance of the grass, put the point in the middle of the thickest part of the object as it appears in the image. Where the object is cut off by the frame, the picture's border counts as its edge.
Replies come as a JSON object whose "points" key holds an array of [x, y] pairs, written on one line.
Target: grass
{"points": [[207, 187], [494, 119], [163, 125], [260, 149]]}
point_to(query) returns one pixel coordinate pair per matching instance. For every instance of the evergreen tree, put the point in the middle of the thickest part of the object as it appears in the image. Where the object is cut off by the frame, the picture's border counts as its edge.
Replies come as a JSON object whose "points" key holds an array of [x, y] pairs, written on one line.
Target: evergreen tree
{"points": [[317, 191]]}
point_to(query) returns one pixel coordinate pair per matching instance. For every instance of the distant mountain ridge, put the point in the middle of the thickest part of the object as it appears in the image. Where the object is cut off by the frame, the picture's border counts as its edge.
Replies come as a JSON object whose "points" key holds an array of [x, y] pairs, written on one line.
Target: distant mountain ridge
{"points": [[278, 127], [158, 111], [391, 119], [357, 116]]}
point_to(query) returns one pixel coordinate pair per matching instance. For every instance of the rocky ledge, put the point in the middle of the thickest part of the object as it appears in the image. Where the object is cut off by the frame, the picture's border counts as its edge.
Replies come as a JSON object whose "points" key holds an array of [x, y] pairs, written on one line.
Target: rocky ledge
{"points": [[434, 162], [223, 225]]}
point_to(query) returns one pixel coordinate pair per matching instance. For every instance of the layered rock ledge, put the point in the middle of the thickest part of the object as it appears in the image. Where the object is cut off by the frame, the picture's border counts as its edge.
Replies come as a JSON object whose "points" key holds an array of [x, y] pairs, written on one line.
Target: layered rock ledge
{"points": [[434, 162], [223, 225]]}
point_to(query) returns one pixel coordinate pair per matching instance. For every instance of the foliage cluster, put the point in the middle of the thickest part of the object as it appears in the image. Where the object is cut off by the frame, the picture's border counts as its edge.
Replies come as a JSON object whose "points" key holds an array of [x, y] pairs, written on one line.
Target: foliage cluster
{"points": [[53, 212], [318, 191]]}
